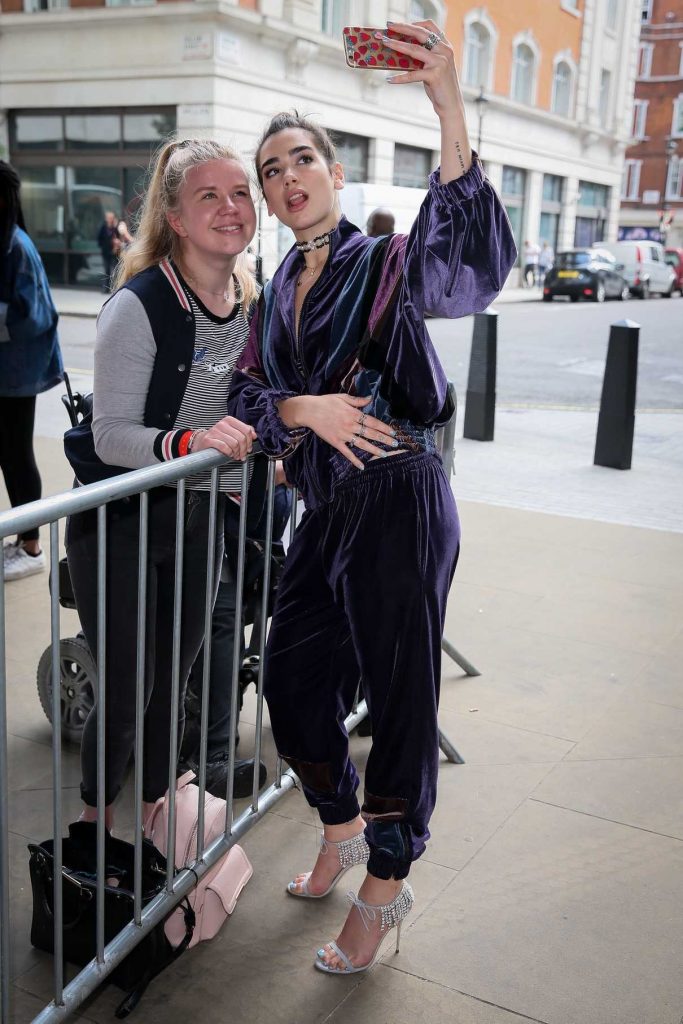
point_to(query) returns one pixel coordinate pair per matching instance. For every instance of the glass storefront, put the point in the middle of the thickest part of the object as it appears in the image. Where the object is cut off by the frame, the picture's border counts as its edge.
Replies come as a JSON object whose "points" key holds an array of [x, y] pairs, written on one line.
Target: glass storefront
{"points": [[75, 166], [551, 205], [412, 166], [591, 215], [512, 193]]}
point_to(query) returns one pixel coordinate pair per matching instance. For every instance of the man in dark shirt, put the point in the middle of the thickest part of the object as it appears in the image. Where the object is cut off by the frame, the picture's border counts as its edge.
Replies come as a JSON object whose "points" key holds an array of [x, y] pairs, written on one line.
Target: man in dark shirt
{"points": [[109, 243]]}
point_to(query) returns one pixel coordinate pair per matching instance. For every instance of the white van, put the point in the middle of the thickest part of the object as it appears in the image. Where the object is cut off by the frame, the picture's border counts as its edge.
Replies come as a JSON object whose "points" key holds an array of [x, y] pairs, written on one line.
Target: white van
{"points": [[644, 267]]}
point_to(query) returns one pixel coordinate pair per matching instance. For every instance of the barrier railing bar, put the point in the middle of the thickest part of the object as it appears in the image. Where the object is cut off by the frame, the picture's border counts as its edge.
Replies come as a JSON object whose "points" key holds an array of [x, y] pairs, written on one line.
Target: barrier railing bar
{"points": [[209, 598], [101, 732], [237, 645], [81, 499], [4, 817], [175, 681], [57, 902], [265, 596], [140, 666]]}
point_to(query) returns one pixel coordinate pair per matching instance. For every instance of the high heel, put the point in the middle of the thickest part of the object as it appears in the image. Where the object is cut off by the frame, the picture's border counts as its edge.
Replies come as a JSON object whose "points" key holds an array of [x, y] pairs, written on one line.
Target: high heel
{"points": [[392, 915], [351, 852]]}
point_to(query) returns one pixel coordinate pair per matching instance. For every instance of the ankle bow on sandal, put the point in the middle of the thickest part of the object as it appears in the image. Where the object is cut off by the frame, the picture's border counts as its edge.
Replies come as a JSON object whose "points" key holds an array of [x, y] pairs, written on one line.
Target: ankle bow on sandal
{"points": [[351, 852], [392, 915]]}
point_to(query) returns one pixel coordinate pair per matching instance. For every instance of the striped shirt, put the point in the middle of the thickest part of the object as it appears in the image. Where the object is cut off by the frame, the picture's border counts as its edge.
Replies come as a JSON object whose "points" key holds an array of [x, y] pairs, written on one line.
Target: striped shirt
{"points": [[218, 344]]}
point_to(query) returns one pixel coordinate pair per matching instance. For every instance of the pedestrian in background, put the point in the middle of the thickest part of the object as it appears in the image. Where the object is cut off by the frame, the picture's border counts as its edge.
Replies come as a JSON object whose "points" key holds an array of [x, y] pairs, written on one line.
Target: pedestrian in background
{"points": [[530, 254], [30, 363], [380, 222], [546, 259], [109, 241]]}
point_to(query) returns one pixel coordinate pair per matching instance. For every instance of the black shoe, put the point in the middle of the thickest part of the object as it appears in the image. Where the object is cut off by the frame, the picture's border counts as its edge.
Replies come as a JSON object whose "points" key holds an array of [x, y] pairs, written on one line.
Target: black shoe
{"points": [[217, 776]]}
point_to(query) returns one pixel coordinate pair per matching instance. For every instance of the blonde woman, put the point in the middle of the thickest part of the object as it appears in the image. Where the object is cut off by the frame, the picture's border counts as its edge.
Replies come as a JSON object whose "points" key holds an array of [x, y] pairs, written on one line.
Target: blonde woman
{"points": [[166, 344]]}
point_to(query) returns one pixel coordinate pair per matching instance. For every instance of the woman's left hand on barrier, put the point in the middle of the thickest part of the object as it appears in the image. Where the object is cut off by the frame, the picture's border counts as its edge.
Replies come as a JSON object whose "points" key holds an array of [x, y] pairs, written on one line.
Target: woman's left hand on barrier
{"points": [[229, 436], [439, 75]]}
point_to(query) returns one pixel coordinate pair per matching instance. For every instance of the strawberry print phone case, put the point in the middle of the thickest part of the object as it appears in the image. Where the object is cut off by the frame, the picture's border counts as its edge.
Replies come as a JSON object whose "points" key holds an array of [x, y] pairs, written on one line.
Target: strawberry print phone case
{"points": [[363, 50]]}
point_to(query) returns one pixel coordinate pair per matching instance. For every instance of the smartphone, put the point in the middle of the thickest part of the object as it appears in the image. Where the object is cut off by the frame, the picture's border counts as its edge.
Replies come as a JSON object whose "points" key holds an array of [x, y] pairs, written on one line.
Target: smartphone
{"points": [[363, 50]]}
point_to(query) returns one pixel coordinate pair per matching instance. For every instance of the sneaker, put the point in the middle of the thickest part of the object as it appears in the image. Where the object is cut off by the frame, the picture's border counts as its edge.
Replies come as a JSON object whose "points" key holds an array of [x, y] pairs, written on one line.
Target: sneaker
{"points": [[18, 563], [217, 776]]}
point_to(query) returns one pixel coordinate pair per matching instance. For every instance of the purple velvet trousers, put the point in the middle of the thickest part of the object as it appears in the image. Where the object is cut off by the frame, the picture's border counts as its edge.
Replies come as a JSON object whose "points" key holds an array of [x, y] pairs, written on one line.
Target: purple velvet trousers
{"points": [[363, 597]]}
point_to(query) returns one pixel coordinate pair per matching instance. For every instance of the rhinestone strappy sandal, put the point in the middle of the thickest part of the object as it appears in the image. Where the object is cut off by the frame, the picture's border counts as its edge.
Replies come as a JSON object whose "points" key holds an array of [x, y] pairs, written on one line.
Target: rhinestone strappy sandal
{"points": [[392, 915], [351, 852]]}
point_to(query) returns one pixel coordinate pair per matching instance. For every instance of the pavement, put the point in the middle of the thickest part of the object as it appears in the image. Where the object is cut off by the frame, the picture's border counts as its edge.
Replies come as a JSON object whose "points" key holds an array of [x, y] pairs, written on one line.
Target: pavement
{"points": [[550, 890], [88, 301]]}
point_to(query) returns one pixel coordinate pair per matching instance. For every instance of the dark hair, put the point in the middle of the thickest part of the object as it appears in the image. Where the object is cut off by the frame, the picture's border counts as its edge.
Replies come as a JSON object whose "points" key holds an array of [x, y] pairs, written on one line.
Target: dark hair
{"points": [[10, 205], [293, 119]]}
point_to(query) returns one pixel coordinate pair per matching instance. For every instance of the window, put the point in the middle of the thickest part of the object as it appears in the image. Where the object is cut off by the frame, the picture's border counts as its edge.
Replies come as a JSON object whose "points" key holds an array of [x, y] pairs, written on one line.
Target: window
{"points": [[645, 10], [677, 119], [611, 16], [645, 52], [593, 204], [551, 206], [562, 89], [523, 64], [353, 154], [639, 119], [44, 5], [334, 15], [74, 165], [674, 178], [477, 54], [512, 192], [603, 103], [411, 166], [128, 3], [572, 6], [630, 181]]}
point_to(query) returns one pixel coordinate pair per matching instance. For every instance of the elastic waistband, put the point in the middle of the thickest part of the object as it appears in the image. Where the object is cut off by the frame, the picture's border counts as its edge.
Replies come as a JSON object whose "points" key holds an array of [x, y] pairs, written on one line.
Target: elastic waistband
{"points": [[392, 465]]}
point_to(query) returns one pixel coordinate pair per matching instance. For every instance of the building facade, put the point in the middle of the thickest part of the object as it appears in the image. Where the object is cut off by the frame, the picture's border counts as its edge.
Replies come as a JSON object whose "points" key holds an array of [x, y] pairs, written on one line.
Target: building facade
{"points": [[552, 87], [652, 187], [88, 88]]}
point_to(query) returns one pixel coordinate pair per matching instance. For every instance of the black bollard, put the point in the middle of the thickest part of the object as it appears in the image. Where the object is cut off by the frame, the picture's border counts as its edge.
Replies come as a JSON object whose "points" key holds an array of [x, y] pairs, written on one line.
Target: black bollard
{"points": [[614, 440], [480, 403]]}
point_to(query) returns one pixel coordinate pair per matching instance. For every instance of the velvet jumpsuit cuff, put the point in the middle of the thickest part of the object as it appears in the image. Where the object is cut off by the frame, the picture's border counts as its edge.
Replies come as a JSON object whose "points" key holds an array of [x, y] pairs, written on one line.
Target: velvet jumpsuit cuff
{"points": [[276, 439]]}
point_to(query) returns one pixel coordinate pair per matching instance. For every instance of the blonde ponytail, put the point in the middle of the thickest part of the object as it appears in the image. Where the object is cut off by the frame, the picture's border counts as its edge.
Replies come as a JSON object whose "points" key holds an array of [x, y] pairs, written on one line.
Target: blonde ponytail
{"points": [[155, 240]]}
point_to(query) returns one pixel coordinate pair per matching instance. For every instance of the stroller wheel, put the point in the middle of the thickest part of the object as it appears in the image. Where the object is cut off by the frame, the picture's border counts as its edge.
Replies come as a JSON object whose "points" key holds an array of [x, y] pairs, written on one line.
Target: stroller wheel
{"points": [[78, 679]]}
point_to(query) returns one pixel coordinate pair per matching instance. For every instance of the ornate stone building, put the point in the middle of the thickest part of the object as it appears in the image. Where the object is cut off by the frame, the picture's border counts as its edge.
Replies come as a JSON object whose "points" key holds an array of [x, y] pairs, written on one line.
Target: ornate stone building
{"points": [[89, 87]]}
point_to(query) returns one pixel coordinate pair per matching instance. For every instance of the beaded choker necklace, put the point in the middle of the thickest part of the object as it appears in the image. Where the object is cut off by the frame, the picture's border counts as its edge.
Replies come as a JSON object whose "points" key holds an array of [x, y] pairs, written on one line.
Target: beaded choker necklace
{"points": [[319, 242]]}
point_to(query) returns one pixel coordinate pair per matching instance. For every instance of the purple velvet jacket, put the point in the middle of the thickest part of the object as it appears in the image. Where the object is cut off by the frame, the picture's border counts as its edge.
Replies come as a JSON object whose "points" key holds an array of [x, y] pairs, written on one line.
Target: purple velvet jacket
{"points": [[362, 331]]}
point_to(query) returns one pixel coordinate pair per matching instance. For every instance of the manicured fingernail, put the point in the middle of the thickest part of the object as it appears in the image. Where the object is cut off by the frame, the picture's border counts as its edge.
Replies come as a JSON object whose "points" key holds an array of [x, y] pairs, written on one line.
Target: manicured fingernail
{"points": [[379, 35], [384, 454], [321, 953], [394, 444], [391, 22]]}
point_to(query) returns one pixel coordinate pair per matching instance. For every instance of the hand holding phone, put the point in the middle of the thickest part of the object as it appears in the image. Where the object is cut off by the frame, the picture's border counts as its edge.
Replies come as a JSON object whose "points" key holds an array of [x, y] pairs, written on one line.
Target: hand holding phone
{"points": [[364, 50]]}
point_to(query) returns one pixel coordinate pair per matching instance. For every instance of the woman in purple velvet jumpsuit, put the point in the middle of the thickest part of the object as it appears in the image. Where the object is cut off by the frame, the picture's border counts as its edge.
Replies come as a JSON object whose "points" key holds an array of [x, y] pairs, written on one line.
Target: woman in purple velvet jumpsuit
{"points": [[340, 377]]}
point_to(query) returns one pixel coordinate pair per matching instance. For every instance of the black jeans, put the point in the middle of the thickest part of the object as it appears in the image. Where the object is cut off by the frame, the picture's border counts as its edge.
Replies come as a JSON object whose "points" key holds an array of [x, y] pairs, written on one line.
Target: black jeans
{"points": [[121, 633], [17, 460]]}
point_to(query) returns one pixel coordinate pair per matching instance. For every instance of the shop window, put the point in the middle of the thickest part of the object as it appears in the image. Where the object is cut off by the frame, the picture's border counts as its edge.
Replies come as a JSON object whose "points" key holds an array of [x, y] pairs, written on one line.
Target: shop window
{"points": [[412, 166], [352, 152]]}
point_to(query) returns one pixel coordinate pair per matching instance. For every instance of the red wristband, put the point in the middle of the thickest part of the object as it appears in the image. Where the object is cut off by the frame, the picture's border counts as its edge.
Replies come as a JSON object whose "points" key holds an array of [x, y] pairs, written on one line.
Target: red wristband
{"points": [[184, 442]]}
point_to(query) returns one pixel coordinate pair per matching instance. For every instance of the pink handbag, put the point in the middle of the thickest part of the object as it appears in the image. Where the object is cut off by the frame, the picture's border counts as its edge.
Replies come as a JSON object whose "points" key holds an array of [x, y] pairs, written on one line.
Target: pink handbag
{"points": [[215, 896]]}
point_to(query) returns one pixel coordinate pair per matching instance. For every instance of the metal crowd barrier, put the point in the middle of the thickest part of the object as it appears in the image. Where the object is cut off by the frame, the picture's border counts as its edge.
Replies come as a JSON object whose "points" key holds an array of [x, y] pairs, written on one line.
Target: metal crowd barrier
{"points": [[49, 511]]}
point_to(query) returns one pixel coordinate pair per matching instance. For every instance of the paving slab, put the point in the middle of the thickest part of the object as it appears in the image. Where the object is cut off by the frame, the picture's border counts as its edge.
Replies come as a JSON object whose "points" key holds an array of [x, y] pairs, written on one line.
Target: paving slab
{"points": [[643, 792], [563, 917], [403, 998], [633, 728]]}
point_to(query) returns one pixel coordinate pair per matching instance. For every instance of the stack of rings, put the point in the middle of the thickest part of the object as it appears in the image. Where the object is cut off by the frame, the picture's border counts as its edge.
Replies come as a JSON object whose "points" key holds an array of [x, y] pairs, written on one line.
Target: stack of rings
{"points": [[361, 423], [432, 39]]}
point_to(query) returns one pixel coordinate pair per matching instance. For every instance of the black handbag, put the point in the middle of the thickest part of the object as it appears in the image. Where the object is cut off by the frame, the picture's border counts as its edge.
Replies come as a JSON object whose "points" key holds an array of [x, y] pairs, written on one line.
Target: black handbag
{"points": [[79, 888]]}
